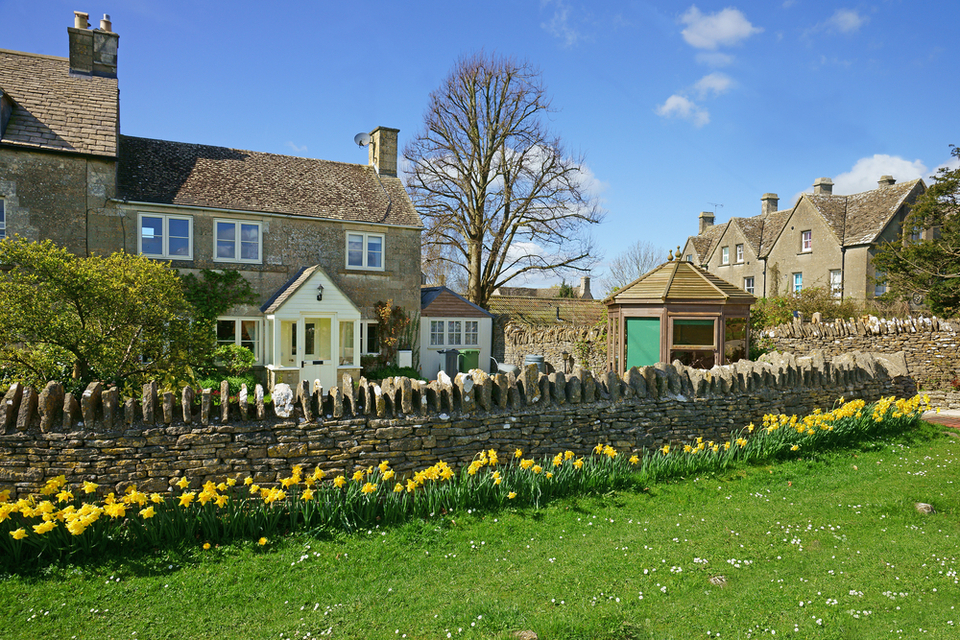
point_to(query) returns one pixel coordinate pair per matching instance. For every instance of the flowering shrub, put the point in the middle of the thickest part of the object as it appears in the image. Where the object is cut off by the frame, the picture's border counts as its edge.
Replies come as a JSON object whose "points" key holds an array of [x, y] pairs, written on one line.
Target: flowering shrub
{"points": [[67, 521]]}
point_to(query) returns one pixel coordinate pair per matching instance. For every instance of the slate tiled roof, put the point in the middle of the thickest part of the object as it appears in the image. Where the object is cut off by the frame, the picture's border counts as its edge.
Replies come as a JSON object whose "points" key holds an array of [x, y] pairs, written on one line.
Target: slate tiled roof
{"points": [[448, 303], [706, 241], [677, 281], [288, 289], [773, 224], [862, 216], [54, 110], [543, 311], [163, 172]]}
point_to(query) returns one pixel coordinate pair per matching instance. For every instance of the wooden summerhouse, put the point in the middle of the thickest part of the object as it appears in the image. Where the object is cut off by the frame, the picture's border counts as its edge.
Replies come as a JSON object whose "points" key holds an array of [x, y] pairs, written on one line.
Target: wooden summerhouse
{"points": [[677, 311]]}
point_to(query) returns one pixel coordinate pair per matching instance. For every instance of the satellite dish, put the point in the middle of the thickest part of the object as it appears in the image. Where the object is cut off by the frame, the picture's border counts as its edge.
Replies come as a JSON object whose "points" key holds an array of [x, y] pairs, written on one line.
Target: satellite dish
{"points": [[362, 139]]}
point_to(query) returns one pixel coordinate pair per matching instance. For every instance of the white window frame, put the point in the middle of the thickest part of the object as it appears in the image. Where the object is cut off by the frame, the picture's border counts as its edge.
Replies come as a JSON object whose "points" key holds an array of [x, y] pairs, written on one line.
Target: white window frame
{"points": [[366, 250], [455, 328], [438, 332], [749, 284], [237, 244], [165, 252], [806, 241], [3, 219], [238, 339], [471, 333], [725, 255], [879, 283], [836, 282], [798, 282], [365, 335], [739, 251]]}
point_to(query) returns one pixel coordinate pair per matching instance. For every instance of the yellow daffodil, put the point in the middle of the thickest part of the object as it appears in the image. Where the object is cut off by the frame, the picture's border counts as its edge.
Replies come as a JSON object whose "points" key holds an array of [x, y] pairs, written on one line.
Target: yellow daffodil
{"points": [[537, 468], [368, 488], [411, 485], [184, 483], [221, 500], [383, 466], [45, 527], [187, 498], [254, 489], [549, 475], [398, 488], [496, 478], [147, 513], [262, 541], [518, 453], [726, 445], [568, 455], [794, 447], [206, 546], [116, 510], [511, 495], [492, 457], [598, 448], [222, 486], [4, 495], [578, 463], [90, 487], [319, 473], [307, 495], [231, 482], [610, 452], [248, 481], [526, 463], [665, 449], [634, 459], [558, 460], [339, 481], [388, 474], [19, 534], [358, 475], [156, 498]]}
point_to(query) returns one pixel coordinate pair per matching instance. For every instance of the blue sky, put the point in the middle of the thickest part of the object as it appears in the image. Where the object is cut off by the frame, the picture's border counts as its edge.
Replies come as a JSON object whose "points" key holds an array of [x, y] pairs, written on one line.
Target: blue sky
{"points": [[679, 107]]}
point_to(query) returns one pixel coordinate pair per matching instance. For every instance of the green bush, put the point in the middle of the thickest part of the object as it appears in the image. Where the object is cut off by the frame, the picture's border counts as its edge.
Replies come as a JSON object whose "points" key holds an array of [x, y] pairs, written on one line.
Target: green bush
{"points": [[393, 372], [213, 382]]}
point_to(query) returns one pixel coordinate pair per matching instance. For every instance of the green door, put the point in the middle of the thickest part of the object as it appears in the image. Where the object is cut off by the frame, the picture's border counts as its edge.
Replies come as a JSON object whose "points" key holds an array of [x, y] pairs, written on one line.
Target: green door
{"points": [[642, 342]]}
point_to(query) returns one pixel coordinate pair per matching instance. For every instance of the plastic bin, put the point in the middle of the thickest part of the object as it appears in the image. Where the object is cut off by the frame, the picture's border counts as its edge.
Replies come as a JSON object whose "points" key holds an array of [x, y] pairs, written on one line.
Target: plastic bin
{"points": [[469, 359], [537, 360]]}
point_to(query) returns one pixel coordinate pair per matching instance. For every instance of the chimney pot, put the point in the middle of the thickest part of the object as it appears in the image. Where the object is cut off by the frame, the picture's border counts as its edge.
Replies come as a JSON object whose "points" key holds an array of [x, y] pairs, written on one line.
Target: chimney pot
{"points": [[93, 53], [81, 20], [769, 203], [105, 24], [706, 220], [823, 186], [886, 181], [585, 288]]}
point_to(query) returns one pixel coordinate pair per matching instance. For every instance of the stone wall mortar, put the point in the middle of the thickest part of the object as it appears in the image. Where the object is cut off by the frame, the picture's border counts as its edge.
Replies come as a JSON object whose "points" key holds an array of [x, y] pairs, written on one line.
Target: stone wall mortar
{"points": [[646, 408]]}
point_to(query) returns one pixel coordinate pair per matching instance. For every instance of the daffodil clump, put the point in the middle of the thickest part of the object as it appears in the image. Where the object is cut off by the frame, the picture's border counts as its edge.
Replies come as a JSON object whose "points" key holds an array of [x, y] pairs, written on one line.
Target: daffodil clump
{"points": [[65, 521]]}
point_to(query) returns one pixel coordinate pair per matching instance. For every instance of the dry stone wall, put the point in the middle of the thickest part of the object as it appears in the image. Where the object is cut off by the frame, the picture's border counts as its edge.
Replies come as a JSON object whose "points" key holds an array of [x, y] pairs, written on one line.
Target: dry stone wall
{"points": [[930, 345], [157, 438], [584, 347]]}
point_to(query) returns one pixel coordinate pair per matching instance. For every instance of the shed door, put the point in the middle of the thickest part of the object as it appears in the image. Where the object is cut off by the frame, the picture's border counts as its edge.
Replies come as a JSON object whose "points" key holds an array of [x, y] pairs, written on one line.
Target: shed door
{"points": [[641, 342]]}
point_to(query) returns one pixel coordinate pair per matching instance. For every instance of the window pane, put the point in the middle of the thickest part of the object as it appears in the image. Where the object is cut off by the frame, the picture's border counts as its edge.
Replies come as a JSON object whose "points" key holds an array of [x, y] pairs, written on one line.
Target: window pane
{"points": [[249, 242], [226, 245], [151, 235], [453, 332], [249, 334], [735, 340], [436, 333], [373, 340], [374, 251], [346, 343], [226, 331], [693, 332], [179, 228], [354, 250], [471, 331], [324, 334]]}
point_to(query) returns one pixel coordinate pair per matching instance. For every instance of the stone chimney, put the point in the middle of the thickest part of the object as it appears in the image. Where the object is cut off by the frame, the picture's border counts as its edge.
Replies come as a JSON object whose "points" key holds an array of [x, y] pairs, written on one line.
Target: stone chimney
{"points": [[706, 220], [769, 203], [823, 187], [886, 181], [585, 288], [93, 52], [383, 150]]}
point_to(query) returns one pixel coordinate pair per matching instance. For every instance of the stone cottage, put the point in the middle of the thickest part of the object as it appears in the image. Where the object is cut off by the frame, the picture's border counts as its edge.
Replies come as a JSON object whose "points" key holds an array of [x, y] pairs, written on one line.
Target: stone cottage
{"points": [[824, 240], [320, 242]]}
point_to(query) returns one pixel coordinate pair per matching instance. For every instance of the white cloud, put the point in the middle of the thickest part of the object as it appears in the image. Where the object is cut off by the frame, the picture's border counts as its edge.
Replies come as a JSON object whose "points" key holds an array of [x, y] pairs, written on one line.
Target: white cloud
{"points": [[709, 31], [677, 106], [712, 85], [950, 165], [715, 59], [846, 21], [559, 24], [296, 148], [866, 171], [842, 21]]}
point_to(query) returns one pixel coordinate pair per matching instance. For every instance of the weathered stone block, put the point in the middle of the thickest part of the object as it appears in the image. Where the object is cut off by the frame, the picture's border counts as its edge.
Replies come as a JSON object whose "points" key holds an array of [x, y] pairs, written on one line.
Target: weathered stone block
{"points": [[282, 400], [149, 403], [28, 409], [90, 402], [50, 406], [110, 399], [224, 402], [10, 406]]}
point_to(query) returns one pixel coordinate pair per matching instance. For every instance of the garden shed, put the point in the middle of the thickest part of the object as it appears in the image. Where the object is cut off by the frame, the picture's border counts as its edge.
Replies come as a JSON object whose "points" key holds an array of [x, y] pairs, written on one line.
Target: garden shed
{"points": [[677, 311], [450, 322]]}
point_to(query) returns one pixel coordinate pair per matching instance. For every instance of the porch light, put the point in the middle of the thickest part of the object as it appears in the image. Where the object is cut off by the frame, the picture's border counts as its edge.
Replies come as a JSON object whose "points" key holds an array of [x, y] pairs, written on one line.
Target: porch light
{"points": [[319, 292]]}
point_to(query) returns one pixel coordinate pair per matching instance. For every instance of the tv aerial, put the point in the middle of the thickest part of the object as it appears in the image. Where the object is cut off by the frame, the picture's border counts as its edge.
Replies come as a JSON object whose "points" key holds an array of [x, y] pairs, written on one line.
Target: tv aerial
{"points": [[715, 205], [362, 139]]}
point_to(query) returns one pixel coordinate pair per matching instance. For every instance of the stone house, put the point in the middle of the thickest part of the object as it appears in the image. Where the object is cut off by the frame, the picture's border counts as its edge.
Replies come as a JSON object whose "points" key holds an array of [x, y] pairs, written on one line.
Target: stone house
{"points": [[320, 242], [824, 240], [450, 321]]}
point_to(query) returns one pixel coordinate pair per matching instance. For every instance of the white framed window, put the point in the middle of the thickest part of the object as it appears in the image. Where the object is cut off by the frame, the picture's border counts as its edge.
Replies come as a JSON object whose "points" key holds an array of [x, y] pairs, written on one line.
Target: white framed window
{"points": [[739, 253], [689, 258], [243, 332], [369, 337], [237, 241], [436, 333], [806, 241], [748, 285], [3, 221], [471, 333], [797, 282], [836, 282], [365, 250], [454, 332], [162, 235], [725, 255]]}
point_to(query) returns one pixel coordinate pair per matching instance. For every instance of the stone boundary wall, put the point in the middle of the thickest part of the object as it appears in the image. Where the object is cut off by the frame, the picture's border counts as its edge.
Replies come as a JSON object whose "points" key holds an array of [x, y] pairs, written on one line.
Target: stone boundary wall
{"points": [[930, 345], [513, 342], [152, 440]]}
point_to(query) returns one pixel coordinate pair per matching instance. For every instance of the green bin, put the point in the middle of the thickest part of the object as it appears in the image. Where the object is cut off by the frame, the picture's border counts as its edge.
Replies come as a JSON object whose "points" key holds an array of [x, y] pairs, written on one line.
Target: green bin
{"points": [[469, 359]]}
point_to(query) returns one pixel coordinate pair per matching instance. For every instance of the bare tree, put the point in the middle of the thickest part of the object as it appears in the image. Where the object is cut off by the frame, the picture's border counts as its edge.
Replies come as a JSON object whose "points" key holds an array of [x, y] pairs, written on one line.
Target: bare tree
{"points": [[496, 189], [636, 260]]}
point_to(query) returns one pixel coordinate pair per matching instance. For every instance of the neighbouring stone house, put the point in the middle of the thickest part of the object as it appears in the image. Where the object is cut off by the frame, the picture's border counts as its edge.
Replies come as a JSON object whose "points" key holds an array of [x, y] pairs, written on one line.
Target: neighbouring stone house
{"points": [[450, 321], [824, 240], [320, 242]]}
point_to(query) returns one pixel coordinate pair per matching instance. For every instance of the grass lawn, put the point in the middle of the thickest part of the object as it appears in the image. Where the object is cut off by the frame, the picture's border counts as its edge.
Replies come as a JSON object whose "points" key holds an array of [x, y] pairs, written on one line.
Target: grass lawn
{"points": [[830, 547]]}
